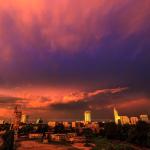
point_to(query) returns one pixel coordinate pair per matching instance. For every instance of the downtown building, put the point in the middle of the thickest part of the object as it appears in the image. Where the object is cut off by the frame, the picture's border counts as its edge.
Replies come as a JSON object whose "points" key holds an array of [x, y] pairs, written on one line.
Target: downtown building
{"points": [[126, 120]]}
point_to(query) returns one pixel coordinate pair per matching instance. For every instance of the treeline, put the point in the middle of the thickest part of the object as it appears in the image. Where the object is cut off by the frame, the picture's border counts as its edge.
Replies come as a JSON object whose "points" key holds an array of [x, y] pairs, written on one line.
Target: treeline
{"points": [[136, 134], [7, 141]]}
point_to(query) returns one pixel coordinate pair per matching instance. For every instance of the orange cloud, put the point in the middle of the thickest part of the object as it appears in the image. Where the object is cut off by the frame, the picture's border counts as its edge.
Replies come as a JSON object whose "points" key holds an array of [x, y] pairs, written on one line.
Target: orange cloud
{"points": [[83, 95], [5, 112], [42, 98], [115, 90]]}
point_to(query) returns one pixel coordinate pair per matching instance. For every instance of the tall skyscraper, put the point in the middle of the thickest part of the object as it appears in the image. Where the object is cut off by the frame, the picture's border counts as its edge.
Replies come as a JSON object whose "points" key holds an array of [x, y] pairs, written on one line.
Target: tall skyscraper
{"points": [[24, 118], [17, 117], [116, 116], [87, 116]]}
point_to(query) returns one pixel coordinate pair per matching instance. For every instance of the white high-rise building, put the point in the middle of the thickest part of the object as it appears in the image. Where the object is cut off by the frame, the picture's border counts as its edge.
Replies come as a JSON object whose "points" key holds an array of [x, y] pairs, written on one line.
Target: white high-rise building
{"points": [[87, 116], [120, 119], [24, 118], [116, 116]]}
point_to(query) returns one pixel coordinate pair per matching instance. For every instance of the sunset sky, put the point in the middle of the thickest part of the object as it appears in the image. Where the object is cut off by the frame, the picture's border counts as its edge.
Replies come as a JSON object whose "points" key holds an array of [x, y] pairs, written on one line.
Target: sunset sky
{"points": [[59, 58]]}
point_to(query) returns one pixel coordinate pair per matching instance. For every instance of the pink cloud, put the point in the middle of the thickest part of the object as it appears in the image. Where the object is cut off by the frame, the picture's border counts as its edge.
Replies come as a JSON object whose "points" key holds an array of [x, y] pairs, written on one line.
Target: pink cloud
{"points": [[33, 99], [65, 24], [62, 25], [83, 95]]}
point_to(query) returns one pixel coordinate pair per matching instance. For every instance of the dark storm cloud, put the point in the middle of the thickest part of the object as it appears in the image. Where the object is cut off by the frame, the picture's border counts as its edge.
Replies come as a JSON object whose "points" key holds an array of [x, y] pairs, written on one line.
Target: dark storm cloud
{"points": [[5, 100], [94, 43], [129, 103], [9, 102], [113, 47], [80, 105], [100, 101]]}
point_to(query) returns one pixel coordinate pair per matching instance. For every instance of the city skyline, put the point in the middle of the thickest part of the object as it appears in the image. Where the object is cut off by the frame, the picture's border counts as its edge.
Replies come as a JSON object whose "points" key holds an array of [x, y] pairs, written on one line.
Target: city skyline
{"points": [[60, 58], [19, 117]]}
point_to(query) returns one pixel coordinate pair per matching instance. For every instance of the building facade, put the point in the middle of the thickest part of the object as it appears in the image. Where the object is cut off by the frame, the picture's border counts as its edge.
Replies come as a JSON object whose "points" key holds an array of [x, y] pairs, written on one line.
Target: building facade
{"points": [[134, 120], [144, 118], [24, 118], [87, 116], [116, 116]]}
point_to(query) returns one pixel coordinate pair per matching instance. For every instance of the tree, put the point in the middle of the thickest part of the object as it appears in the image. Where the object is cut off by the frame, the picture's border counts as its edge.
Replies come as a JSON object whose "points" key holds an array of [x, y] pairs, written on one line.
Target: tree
{"points": [[111, 130], [59, 128], [139, 134], [122, 131], [88, 133]]}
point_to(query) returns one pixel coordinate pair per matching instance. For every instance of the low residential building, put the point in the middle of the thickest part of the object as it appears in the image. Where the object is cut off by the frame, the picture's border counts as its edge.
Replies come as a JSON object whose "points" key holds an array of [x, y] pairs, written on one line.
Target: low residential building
{"points": [[2, 121], [144, 118], [66, 124], [73, 124], [35, 135], [58, 137], [52, 124]]}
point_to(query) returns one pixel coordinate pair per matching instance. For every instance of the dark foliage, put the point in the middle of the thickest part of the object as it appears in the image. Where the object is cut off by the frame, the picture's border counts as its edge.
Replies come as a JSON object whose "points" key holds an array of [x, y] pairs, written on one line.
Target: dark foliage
{"points": [[8, 138], [59, 128], [137, 134]]}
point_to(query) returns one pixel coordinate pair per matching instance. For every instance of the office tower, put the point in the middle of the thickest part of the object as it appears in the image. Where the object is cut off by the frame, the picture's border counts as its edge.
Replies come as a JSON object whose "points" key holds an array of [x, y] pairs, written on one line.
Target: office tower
{"points": [[116, 116], [87, 116], [24, 118], [144, 118], [124, 120], [134, 120], [17, 117]]}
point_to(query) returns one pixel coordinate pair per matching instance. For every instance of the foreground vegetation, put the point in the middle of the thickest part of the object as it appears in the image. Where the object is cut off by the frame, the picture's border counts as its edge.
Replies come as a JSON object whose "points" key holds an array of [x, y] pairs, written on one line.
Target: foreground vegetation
{"points": [[110, 136], [138, 134], [7, 140]]}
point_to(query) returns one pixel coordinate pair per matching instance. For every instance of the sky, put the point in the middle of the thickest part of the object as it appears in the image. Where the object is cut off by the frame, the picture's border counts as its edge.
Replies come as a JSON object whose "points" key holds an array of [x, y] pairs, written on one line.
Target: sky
{"points": [[59, 58]]}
